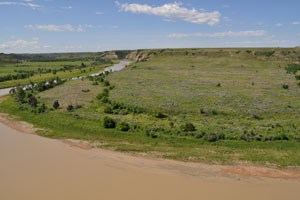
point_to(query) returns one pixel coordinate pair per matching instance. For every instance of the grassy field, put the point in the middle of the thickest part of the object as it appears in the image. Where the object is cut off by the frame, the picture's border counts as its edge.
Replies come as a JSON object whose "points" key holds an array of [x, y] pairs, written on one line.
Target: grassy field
{"points": [[44, 67], [202, 105]]}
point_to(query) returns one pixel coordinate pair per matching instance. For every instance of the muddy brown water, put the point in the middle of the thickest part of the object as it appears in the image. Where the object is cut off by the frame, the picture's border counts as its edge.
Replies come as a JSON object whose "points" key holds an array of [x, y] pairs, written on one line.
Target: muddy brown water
{"points": [[34, 168]]}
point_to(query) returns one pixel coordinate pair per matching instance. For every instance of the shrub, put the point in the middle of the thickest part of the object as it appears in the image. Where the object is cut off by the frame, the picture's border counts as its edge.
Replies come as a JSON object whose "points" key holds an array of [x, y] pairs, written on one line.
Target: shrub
{"points": [[33, 102], [20, 95], [152, 135], [189, 127], [42, 109], [285, 86], [255, 116], [108, 110], [106, 83], [219, 85], [214, 137], [124, 112], [85, 90], [70, 108], [160, 115], [123, 126], [109, 122], [292, 68], [56, 104]]}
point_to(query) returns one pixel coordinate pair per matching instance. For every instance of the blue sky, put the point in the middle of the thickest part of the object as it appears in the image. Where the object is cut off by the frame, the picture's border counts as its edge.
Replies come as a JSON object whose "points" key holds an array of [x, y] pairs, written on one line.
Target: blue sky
{"points": [[34, 26]]}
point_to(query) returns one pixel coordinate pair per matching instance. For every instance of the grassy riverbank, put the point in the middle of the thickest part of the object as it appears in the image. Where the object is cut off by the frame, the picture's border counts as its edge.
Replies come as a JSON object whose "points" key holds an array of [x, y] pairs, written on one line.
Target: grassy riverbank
{"points": [[202, 105]]}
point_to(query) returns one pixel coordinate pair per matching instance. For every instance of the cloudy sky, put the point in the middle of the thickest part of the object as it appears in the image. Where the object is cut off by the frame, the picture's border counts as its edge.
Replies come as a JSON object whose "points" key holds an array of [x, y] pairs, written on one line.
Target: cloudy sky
{"points": [[28, 26]]}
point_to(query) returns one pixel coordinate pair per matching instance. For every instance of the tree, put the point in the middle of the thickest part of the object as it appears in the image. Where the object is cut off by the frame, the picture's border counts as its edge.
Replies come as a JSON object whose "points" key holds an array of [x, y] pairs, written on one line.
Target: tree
{"points": [[20, 95], [56, 104], [70, 108], [109, 122], [33, 102]]}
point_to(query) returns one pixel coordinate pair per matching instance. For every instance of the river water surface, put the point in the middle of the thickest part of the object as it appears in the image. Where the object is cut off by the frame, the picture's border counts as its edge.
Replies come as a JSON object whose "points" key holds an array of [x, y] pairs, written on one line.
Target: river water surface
{"points": [[114, 68]]}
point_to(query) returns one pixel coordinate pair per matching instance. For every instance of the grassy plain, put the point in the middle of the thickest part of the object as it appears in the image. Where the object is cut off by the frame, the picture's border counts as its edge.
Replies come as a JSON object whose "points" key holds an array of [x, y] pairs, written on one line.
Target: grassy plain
{"points": [[236, 93]]}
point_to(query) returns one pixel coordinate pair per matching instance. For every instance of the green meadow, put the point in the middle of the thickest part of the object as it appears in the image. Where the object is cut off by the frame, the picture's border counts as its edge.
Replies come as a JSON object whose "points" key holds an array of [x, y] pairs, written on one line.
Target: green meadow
{"points": [[203, 105]]}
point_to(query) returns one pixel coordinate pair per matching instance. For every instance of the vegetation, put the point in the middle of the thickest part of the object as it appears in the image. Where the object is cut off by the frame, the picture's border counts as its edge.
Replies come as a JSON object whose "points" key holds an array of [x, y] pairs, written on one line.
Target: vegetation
{"points": [[225, 106]]}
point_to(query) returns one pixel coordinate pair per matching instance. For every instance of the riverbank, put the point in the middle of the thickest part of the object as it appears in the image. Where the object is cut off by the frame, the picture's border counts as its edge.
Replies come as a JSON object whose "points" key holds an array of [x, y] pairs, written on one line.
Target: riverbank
{"points": [[42, 168], [223, 170]]}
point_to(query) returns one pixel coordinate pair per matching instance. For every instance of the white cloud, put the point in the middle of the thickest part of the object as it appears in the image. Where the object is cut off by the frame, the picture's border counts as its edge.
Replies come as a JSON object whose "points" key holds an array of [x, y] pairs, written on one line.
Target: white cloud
{"points": [[279, 24], [24, 4], [20, 44], [60, 28], [296, 23], [99, 13], [174, 11], [256, 33]]}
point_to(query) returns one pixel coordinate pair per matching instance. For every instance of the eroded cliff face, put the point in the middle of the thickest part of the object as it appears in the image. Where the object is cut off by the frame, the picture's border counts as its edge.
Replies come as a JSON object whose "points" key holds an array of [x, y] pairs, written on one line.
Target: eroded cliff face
{"points": [[134, 55], [138, 55]]}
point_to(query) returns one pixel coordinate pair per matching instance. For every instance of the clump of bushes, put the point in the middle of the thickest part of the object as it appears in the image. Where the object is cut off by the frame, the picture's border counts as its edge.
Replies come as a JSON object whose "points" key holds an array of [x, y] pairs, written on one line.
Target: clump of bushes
{"points": [[123, 126], [189, 127], [214, 137], [56, 104], [292, 68], [285, 86], [70, 108], [160, 115], [108, 110], [109, 122], [256, 116]]}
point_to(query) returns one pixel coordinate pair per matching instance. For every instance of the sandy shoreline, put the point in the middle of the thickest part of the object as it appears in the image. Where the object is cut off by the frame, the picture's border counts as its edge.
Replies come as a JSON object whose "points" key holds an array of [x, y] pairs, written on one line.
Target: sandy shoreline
{"points": [[42, 168]]}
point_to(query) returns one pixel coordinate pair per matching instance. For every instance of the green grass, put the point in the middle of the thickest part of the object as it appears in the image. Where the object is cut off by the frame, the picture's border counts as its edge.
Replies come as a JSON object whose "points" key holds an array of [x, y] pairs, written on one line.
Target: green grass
{"points": [[183, 85], [60, 74], [185, 88], [59, 124]]}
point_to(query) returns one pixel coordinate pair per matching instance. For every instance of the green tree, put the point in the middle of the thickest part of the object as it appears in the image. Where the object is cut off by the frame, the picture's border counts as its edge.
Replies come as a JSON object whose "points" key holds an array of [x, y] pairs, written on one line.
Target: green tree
{"points": [[56, 104]]}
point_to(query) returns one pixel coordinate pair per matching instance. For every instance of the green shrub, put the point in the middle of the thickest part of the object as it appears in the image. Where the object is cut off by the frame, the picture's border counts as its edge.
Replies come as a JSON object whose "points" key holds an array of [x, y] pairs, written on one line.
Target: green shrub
{"points": [[56, 104], [123, 126], [285, 86], [109, 122], [214, 137], [160, 115], [292, 68], [33, 102], [42, 108], [70, 108], [189, 127], [108, 110]]}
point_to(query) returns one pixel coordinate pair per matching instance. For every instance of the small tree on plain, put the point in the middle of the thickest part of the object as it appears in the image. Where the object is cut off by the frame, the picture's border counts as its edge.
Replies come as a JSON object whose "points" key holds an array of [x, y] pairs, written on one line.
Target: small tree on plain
{"points": [[56, 104]]}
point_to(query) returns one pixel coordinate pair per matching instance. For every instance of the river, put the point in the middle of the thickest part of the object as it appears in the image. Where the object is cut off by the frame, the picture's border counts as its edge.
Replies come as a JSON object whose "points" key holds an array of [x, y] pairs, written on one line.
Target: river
{"points": [[114, 68], [34, 168]]}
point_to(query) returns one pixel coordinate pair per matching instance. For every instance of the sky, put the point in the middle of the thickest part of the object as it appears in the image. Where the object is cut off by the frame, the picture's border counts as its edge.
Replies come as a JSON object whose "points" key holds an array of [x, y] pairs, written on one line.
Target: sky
{"points": [[42, 26]]}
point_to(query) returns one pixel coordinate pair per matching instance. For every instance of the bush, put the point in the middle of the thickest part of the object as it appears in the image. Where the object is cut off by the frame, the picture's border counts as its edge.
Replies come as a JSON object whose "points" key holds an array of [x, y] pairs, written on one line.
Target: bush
{"points": [[70, 108], [33, 102], [42, 109], [160, 115], [85, 90], [109, 122], [214, 137], [189, 127], [285, 86], [108, 110], [123, 126], [56, 104]]}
